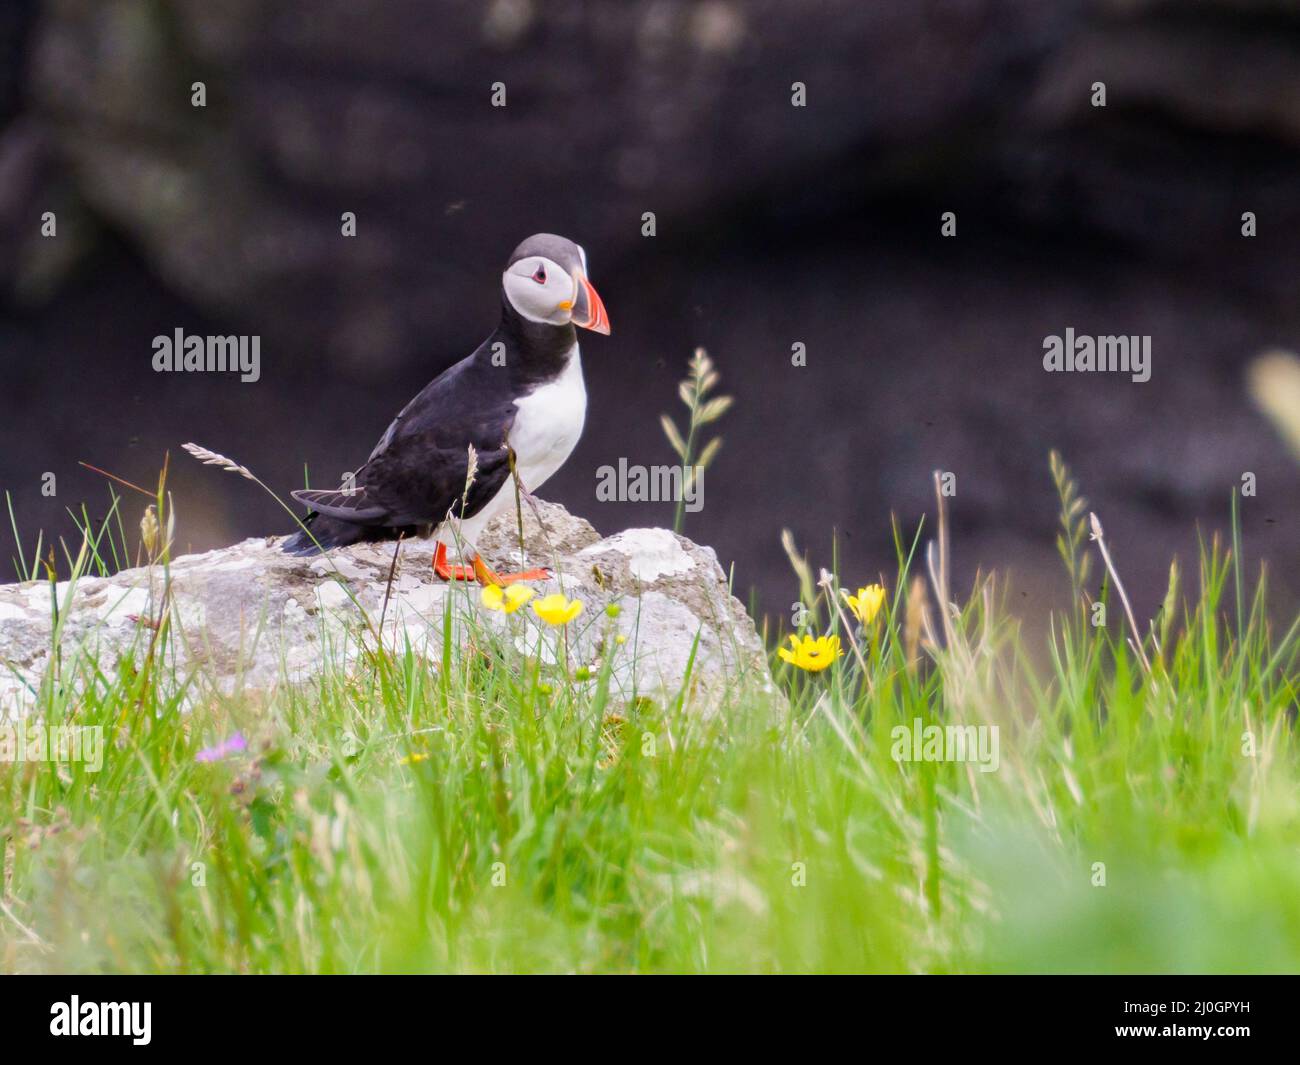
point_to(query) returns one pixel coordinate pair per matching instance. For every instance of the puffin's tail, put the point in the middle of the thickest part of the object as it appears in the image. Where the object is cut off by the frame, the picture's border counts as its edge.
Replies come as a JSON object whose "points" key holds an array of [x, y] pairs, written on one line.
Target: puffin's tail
{"points": [[325, 533]]}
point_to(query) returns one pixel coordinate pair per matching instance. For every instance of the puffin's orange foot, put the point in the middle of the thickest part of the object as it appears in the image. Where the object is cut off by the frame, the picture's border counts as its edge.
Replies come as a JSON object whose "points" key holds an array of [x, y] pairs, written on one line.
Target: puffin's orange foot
{"points": [[479, 571], [487, 576], [447, 572], [525, 575]]}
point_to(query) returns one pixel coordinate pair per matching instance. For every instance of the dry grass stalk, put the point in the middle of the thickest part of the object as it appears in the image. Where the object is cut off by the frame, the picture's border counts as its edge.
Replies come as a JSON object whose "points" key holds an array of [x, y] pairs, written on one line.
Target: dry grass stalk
{"points": [[211, 458], [1099, 538]]}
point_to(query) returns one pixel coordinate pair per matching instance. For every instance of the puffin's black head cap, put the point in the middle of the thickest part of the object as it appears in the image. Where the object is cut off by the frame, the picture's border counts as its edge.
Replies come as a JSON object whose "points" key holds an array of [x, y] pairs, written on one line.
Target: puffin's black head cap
{"points": [[550, 246], [546, 281]]}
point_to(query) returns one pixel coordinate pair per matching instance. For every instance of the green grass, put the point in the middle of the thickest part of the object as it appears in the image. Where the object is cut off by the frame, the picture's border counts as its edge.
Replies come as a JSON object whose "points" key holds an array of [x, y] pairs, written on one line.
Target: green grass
{"points": [[495, 817]]}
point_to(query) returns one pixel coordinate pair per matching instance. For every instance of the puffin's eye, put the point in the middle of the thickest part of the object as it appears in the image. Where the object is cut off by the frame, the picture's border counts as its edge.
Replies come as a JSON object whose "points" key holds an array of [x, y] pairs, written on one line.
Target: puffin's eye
{"points": [[539, 275]]}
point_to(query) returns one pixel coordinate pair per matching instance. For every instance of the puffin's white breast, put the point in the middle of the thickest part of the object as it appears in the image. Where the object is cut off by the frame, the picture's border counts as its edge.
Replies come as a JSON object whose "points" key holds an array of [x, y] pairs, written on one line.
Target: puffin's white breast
{"points": [[548, 424], [545, 432]]}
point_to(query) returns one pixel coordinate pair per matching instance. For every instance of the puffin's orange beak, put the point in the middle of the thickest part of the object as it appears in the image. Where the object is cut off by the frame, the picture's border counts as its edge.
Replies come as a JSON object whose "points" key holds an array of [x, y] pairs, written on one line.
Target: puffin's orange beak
{"points": [[588, 308]]}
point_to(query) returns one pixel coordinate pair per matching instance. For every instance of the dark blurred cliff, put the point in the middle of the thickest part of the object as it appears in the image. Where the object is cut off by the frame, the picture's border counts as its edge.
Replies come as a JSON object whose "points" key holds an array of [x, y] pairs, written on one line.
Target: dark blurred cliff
{"points": [[775, 225]]}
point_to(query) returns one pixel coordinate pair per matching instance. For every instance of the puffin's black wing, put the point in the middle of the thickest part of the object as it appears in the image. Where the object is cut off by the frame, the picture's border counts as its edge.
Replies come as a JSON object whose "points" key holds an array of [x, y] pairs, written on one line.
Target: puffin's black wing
{"points": [[346, 504], [417, 472], [417, 485]]}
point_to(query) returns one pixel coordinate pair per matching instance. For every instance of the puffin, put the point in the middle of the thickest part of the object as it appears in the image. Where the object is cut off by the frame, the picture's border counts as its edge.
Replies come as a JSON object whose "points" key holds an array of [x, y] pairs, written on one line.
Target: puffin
{"points": [[517, 403]]}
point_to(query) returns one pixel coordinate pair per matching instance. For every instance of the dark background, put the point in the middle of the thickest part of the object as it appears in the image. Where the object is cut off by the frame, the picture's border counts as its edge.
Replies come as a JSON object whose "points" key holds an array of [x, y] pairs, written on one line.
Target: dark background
{"points": [[776, 224]]}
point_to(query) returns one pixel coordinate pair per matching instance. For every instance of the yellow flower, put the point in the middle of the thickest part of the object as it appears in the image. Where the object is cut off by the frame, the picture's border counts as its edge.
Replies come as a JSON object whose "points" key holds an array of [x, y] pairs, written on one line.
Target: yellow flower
{"points": [[508, 599], [555, 609], [866, 604], [411, 759], [813, 653]]}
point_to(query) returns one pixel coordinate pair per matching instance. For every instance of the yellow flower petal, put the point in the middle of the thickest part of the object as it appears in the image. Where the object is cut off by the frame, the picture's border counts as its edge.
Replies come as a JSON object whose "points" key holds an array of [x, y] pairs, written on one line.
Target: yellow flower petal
{"points": [[516, 596], [867, 603], [508, 599], [812, 653], [556, 609]]}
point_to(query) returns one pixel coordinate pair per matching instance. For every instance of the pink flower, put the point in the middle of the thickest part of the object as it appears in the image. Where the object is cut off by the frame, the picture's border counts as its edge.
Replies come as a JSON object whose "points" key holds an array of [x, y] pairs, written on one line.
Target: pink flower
{"points": [[222, 749]]}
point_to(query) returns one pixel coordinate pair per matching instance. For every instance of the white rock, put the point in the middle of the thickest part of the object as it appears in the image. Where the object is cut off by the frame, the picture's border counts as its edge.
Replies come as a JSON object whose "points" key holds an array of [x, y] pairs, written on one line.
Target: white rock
{"points": [[250, 617], [651, 553]]}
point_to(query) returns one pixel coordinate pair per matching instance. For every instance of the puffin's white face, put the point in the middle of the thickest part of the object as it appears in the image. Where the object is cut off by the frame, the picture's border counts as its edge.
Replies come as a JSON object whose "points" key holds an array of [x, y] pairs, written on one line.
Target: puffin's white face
{"points": [[540, 290]]}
